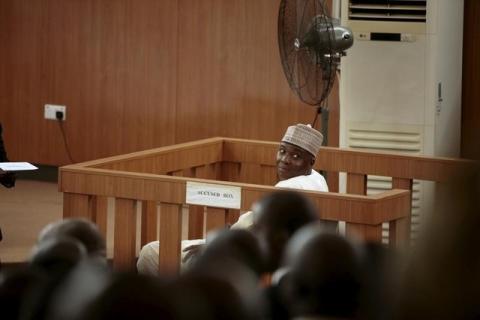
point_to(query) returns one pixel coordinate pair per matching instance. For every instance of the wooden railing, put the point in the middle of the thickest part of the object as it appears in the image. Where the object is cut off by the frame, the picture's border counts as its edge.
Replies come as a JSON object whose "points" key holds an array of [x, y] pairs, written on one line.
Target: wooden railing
{"points": [[156, 179]]}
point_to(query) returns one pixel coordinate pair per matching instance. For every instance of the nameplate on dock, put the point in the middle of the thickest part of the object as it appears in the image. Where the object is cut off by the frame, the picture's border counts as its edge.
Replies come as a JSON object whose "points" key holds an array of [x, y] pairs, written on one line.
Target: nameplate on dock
{"points": [[213, 195]]}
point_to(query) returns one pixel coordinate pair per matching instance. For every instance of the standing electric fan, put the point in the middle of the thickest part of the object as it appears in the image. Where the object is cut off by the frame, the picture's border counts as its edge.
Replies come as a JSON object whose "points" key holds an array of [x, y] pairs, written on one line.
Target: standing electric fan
{"points": [[311, 44]]}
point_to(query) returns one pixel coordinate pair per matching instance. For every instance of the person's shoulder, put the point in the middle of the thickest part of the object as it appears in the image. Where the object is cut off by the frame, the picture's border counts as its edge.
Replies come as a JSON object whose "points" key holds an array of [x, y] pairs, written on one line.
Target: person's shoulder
{"points": [[320, 179], [245, 221], [314, 182], [317, 175], [294, 182]]}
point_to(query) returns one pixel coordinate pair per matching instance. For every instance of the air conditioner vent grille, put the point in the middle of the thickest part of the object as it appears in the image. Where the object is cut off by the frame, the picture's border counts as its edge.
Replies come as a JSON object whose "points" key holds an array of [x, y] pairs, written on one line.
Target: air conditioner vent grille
{"points": [[388, 10], [400, 141], [385, 140]]}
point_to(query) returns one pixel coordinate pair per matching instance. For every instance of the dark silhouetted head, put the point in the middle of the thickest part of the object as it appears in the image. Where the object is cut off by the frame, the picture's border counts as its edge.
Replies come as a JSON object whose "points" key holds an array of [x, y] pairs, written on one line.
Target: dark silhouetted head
{"points": [[325, 275], [205, 295], [57, 255], [17, 288], [132, 296], [83, 284], [239, 245], [83, 230], [276, 218]]}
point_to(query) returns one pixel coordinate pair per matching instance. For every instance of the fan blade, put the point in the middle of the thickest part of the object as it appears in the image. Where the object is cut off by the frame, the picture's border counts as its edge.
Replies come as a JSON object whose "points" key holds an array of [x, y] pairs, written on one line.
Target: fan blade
{"points": [[306, 38]]}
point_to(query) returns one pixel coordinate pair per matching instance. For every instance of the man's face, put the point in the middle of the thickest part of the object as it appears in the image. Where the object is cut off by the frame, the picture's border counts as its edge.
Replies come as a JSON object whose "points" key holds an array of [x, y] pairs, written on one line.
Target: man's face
{"points": [[293, 161]]}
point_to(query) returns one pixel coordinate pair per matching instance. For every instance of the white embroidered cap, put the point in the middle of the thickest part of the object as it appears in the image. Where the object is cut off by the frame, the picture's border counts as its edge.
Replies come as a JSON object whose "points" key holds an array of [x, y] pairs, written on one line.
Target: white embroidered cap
{"points": [[305, 137]]}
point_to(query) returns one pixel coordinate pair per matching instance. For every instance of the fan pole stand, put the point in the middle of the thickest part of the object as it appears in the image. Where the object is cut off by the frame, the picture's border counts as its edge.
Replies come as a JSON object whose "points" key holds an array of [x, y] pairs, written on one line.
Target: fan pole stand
{"points": [[324, 116]]}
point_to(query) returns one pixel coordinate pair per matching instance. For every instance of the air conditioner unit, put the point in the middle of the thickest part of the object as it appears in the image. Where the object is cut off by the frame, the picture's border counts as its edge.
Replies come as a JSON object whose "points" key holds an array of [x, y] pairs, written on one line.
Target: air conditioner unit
{"points": [[400, 84]]}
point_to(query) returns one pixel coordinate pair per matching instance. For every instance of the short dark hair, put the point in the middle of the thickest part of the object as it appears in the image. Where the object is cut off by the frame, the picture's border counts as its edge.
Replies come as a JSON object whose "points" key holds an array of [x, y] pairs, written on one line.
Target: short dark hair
{"points": [[284, 209], [80, 229]]}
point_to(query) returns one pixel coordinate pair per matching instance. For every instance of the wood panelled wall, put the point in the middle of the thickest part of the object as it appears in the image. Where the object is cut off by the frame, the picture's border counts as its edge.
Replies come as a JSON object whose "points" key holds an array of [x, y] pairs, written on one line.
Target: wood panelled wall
{"points": [[471, 81], [137, 74]]}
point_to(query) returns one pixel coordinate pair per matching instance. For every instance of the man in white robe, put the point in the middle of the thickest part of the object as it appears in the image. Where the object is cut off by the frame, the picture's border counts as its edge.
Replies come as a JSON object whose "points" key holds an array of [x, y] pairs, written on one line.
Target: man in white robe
{"points": [[295, 159]]}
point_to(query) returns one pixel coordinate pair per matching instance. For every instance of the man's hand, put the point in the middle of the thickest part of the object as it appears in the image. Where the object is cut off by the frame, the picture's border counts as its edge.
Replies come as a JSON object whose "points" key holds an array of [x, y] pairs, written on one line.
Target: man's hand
{"points": [[192, 252]]}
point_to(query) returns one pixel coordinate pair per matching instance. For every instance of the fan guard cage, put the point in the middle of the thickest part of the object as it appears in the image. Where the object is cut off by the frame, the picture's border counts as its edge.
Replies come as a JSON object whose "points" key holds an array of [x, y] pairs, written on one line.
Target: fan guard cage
{"points": [[307, 56]]}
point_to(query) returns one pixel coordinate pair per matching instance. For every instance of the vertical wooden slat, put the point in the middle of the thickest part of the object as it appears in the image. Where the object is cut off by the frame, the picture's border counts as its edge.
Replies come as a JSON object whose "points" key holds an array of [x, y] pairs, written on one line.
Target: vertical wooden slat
{"points": [[98, 207], [217, 168], [230, 171], [215, 218], [208, 171], [356, 183], [366, 232], [399, 230], [333, 181], [195, 222], [250, 173], [189, 172], [269, 175], [170, 237], [149, 222], [77, 206], [124, 234], [178, 173], [402, 183]]}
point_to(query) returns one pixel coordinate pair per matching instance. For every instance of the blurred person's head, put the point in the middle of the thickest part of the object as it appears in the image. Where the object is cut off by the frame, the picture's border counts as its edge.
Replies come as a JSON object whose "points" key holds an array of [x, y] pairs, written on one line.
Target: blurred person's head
{"points": [[17, 288], [84, 283], [57, 255], [276, 218], [233, 258], [132, 296], [206, 295], [83, 230], [297, 151], [324, 277], [237, 244]]}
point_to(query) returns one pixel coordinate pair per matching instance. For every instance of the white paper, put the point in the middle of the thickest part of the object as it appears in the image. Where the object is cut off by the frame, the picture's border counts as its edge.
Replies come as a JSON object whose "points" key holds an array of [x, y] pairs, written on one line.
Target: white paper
{"points": [[213, 195], [17, 166]]}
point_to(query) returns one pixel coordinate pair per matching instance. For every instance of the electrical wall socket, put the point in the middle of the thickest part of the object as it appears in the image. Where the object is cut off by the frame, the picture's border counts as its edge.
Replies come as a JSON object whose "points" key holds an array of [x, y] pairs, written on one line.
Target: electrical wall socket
{"points": [[52, 109]]}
